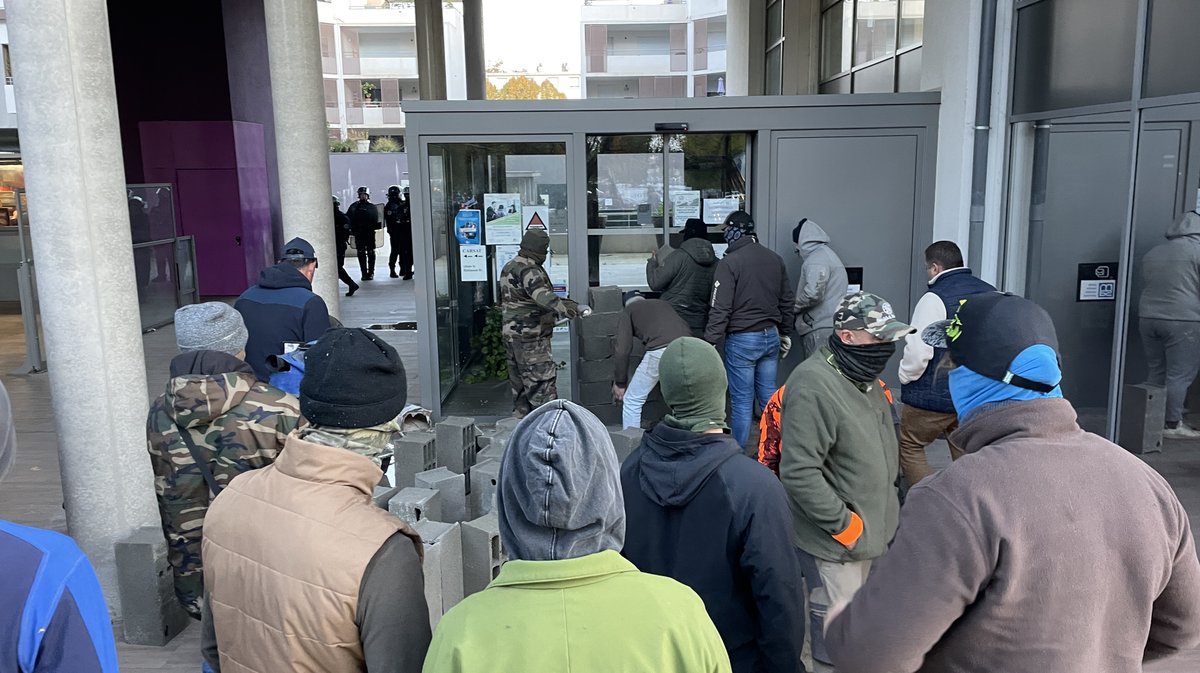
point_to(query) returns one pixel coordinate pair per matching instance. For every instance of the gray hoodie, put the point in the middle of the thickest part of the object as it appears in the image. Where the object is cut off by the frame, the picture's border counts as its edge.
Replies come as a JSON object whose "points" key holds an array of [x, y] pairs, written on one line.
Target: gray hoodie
{"points": [[823, 280], [559, 493], [1171, 274]]}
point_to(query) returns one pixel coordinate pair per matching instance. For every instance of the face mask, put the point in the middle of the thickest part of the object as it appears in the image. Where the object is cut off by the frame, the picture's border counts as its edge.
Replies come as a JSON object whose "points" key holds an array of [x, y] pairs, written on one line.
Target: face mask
{"points": [[732, 234], [861, 364]]}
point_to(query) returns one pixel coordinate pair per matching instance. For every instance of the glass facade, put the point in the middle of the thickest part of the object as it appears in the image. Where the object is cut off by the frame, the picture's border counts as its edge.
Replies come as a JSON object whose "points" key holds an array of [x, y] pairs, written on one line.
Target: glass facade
{"points": [[871, 46]]}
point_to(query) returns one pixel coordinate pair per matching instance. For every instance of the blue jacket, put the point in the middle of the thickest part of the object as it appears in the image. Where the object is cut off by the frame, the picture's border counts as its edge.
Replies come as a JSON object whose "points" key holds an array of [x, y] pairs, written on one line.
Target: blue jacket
{"points": [[931, 391], [282, 307], [700, 512], [53, 618]]}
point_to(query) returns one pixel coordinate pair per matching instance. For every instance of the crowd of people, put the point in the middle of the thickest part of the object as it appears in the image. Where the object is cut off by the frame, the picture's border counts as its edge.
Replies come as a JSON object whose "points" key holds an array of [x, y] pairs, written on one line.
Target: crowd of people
{"points": [[1041, 547], [361, 221]]}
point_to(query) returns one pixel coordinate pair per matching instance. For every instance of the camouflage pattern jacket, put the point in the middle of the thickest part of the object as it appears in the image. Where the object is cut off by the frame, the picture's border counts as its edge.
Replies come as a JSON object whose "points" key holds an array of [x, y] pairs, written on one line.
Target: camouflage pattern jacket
{"points": [[527, 298], [238, 422]]}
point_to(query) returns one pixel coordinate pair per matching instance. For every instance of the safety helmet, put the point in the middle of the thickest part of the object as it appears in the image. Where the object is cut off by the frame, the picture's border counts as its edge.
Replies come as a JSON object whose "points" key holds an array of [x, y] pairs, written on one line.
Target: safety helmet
{"points": [[394, 190], [364, 190]]}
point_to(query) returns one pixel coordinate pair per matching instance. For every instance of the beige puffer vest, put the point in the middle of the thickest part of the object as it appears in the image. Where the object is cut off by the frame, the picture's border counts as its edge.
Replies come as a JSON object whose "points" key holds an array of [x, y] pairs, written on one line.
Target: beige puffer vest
{"points": [[285, 550]]}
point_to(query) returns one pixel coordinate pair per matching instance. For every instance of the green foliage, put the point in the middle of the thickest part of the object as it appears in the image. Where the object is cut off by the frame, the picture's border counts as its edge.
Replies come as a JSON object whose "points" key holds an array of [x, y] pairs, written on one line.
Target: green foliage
{"points": [[490, 345], [385, 144], [341, 145]]}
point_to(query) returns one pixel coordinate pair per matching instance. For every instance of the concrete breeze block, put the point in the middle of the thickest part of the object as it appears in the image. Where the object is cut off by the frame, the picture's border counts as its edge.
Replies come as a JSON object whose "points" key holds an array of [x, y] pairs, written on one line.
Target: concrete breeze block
{"points": [[596, 393], [609, 414], [591, 371], [152, 614], [442, 566], [599, 324], [482, 554], [452, 488], [414, 504], [506, 425], [606, 299], [596, 347], [384, 494], [625, 441], [414, 452], [456, 443], [484, 478]]}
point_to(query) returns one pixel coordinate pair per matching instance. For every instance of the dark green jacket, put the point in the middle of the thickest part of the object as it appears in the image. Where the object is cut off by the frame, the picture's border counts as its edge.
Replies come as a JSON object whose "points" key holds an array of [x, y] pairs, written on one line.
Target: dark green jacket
{"points": [[685, 279], [839, 453]]}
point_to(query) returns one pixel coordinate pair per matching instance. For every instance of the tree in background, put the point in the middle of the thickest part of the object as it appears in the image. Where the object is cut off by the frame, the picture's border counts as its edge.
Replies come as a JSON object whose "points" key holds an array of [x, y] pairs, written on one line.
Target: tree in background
{"points": [[523, 88]]}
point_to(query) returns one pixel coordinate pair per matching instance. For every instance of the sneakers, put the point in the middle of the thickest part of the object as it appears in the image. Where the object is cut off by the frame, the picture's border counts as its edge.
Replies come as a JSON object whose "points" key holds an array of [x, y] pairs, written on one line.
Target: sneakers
{"points": [[352, 290], [1181, 431]]}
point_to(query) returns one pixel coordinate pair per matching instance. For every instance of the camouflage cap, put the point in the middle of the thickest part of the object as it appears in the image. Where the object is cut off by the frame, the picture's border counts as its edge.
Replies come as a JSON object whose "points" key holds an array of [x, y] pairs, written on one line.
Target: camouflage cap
{"points": [[870, 312]]}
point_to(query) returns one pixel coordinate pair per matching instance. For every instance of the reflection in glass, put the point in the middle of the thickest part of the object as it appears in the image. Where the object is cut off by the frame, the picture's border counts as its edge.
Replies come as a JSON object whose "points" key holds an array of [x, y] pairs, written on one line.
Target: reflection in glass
{"points": [[836, 38], [912, 22], [875, 34]]}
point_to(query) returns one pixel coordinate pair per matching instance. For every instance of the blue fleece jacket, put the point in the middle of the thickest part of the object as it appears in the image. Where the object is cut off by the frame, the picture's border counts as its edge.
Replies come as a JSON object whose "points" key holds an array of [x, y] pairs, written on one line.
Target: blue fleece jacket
{"points": [[53, 618], [281, 308]]}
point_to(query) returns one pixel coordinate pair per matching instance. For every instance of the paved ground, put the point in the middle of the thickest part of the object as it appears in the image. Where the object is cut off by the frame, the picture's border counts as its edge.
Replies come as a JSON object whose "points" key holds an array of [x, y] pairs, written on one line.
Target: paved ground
{"points": [[32, 493]]}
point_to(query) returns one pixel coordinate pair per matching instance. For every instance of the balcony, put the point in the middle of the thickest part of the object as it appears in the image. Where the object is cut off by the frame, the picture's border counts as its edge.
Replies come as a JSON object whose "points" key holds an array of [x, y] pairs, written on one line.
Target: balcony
{"points": [[376, 115], [624, 12], [397, 66]]}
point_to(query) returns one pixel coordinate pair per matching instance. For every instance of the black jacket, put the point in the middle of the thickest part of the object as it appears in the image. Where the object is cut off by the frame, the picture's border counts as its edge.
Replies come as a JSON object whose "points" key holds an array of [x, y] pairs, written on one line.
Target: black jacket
{"points": [[685, 279], [398, 217], [341, 227], [701, 512], [751, 292], [364, 218], [281, 308]]}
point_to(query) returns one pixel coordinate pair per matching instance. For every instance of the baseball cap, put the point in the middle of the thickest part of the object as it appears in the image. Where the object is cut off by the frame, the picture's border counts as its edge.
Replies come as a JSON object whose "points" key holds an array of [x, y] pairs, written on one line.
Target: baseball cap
{"points": [[872, 313], [990, 330], [298, 248]]}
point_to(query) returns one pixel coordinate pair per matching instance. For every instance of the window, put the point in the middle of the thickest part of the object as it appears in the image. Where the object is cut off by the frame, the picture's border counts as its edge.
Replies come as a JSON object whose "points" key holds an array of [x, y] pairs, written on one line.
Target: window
{"points": [[874, 30], [864, 37], [837, 29], [773, 73]]}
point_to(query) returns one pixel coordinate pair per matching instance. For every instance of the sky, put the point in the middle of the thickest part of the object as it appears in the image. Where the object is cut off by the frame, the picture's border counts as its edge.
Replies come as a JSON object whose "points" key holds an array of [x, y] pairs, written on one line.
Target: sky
{"points": [[524, 33]]}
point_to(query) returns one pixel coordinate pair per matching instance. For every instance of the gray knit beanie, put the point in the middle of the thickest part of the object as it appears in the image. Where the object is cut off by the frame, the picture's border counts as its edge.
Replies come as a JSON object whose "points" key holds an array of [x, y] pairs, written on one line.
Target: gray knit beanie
{"points": [[211, 326]]}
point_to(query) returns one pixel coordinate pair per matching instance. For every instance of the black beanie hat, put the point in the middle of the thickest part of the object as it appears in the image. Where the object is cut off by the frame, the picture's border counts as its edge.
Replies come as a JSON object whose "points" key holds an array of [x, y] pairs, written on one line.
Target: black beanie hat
{"points": [[694, 228], [352, 379]]}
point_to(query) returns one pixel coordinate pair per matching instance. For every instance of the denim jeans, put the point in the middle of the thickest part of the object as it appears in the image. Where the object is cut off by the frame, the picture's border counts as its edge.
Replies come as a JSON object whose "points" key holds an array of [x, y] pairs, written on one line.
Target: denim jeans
{"points": [[640, 385], [752, 364]]}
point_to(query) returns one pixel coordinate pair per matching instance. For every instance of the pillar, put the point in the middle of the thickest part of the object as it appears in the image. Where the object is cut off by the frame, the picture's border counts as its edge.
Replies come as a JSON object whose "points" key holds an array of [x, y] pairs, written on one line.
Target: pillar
{"points": [[71, 145], [738, 46], [431, 50], [473, 43], [301, 137]]}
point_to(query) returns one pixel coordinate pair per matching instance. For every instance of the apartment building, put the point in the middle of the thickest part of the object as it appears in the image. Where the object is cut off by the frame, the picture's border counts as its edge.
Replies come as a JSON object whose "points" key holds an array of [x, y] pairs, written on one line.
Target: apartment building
{"points": [[648, 49]]}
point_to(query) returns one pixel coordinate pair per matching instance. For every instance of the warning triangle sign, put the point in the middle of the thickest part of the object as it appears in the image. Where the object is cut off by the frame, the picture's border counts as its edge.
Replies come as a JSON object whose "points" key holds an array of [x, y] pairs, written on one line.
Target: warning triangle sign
{"points": [[535, 222]]}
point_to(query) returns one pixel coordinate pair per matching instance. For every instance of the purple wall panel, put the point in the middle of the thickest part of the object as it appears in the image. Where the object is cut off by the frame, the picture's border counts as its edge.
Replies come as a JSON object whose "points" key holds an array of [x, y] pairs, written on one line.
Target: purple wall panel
{"points": [[204, 145], [214, 219], [258, 245]]}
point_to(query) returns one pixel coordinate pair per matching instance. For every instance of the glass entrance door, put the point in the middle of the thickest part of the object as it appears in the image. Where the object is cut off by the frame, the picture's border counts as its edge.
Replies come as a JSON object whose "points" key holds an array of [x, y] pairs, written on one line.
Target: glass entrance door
{"points": [[483, 195]]}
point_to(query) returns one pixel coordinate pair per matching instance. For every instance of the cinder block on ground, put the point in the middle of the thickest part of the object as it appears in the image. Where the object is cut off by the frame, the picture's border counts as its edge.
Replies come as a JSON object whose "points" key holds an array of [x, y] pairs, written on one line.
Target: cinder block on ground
{"points": [[591, 371], [599, 324], [625, 441], [384, 494], [596, 347], [609, 414], [442, 566], [452, 488], [484, 478], [414, 452], [506, 425], [414, 504], [595, 393], [456, 443], [606, 299], [1143, 415], [152, 614], [482, 555]]}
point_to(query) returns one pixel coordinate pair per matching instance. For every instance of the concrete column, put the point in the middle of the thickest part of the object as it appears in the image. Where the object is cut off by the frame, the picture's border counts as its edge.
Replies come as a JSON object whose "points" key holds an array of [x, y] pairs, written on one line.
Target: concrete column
{"points": [[431, 50], [737, 49], [301, 137], [473, 42], [71, 144]]}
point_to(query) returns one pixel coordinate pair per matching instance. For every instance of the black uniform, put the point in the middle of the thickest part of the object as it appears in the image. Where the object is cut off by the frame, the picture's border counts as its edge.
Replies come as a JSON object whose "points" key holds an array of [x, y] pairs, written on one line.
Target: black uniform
{"points": [[341, 233], [364, 222], [399, 228]]}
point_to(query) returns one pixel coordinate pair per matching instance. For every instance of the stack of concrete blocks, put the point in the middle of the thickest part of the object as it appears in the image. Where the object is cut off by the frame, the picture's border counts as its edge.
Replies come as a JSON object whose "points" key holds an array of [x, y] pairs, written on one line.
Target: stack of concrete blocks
{"points": [[456, 443], [596, 354], [482, 555], [416, 504], [146, 585], [443, 566], [413, 453], [452, 488], [484, 479]]}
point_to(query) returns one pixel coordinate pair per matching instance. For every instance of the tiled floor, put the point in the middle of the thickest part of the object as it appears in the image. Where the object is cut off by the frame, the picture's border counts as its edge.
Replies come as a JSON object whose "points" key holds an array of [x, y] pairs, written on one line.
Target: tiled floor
{"points": [[32, 493]]}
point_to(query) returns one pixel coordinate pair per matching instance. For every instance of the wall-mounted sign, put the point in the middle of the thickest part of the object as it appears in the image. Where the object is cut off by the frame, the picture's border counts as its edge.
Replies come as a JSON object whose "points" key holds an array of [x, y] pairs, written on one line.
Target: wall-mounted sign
{"points": [[502, 215], [504, 255], [854, 276], [685, 205], [716, 210], [467, 227], [472, 263], [1097, 282], [536, 217]]}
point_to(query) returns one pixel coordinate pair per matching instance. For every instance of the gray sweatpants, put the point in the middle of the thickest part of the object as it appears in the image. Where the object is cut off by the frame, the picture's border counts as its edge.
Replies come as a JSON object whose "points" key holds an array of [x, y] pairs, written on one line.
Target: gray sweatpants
{"points": [[1173, 358], [811, 342]]}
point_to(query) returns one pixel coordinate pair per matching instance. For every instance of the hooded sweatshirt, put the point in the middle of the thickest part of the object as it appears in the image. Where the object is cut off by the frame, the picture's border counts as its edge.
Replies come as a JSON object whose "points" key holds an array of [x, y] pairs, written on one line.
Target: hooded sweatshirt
{"points": [[823, 281], [685, 279], [566, 600], [1045, 548], [1171, 274], [281, 308], [236, 422]]}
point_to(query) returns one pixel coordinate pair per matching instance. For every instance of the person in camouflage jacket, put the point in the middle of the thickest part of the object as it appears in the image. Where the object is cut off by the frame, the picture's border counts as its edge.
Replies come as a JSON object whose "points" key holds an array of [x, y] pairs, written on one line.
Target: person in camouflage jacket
{"points": [[531, 308], [237, 422]]}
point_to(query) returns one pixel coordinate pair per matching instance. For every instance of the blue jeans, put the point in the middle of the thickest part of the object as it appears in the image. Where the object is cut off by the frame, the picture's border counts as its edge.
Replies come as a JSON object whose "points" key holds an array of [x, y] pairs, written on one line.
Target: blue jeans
{"points": [[639, 388], [752, 365]]}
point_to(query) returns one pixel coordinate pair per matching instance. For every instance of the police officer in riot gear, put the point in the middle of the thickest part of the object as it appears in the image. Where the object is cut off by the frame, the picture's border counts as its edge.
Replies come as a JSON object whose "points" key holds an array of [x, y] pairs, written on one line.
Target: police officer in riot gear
{"points": [[364, 222], [399, 228]]}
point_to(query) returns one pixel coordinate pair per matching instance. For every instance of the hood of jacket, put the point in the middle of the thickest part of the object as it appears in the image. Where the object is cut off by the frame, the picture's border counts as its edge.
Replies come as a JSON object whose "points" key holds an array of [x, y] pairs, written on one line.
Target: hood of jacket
{"points": [[812, 237], [700, 250], [1188, 225], [675, 464], [206, 385], [559, 487], [282, 275]]}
